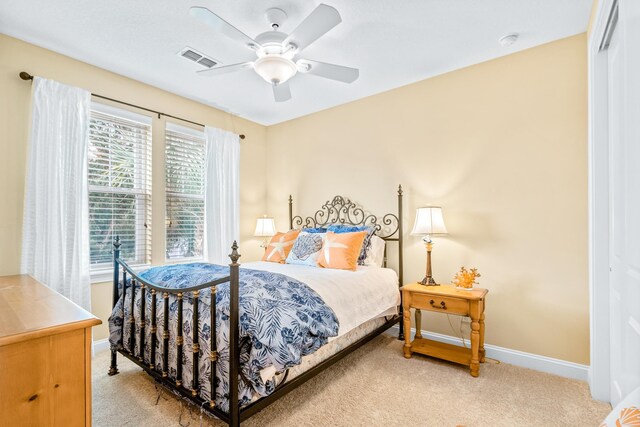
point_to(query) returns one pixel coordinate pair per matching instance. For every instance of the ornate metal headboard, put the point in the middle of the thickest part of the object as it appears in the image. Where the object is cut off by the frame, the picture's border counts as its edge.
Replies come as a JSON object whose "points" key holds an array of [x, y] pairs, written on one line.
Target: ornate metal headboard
{"points": [[341, 210]]}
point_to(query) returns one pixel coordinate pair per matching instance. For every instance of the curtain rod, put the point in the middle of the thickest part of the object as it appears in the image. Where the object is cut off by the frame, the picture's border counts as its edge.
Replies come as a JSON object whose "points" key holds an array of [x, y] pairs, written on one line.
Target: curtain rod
{"points": [[26, 76]]}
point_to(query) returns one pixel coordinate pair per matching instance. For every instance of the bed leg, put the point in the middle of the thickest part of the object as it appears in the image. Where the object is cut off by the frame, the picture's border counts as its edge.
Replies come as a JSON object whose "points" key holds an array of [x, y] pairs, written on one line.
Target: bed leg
{"points": [[113, 369], [234, 419], [234, 338], [400, 262], [401, 323]]}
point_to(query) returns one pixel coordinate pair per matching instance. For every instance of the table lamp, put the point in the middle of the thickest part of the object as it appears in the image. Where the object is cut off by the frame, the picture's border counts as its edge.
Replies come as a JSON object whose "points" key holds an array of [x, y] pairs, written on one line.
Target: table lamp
{"points": [[265, 227], [429, 222]]}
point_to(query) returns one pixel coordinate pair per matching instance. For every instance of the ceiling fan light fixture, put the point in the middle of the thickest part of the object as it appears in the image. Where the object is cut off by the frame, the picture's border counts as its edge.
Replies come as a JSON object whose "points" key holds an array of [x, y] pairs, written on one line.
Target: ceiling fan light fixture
{"points": [[275, 69]]}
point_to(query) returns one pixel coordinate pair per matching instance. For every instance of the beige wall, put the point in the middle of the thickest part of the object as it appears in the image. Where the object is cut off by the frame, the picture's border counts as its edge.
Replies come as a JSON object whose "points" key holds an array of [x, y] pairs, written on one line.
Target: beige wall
{"points": [[15, 94], [502, 147]]}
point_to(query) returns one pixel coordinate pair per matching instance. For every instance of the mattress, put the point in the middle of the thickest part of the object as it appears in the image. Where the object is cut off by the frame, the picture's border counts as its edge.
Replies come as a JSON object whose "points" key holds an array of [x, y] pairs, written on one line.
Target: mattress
{"points": [[354, 296]]}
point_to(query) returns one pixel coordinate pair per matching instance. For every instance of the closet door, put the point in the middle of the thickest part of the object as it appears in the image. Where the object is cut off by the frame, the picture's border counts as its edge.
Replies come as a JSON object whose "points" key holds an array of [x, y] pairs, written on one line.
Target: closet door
{"points": [[624, 204]]}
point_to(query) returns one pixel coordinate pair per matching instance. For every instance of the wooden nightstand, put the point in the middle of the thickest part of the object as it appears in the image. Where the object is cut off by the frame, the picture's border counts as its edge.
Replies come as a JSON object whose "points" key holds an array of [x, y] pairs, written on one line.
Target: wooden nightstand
{"points": [[448, 300]]}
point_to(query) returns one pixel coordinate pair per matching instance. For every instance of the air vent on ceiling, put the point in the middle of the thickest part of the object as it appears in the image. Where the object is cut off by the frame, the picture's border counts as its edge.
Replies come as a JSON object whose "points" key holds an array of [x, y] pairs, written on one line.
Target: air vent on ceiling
{"points": [[207, 62], [198, 57]]}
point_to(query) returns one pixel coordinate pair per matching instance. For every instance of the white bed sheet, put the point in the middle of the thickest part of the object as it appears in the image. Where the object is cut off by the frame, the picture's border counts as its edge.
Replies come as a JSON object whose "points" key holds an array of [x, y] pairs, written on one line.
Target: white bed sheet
{"points": [[354, 296]]}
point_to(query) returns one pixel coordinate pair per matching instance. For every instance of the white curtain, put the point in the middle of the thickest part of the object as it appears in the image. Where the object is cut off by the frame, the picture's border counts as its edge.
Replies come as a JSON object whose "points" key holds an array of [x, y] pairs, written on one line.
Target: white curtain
{"points": [[222, 194], [55, 238]]}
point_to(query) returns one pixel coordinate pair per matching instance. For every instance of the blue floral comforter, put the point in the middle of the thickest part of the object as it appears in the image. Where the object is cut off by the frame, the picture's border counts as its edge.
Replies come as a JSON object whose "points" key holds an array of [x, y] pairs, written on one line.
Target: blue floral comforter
{"points": [[281, 320]]}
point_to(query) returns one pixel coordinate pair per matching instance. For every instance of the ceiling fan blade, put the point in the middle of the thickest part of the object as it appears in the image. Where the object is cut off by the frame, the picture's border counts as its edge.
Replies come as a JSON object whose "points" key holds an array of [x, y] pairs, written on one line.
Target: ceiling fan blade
{"points": [[329, 71], [282, 92], [319, 22], [216, 71], [222, 26]]}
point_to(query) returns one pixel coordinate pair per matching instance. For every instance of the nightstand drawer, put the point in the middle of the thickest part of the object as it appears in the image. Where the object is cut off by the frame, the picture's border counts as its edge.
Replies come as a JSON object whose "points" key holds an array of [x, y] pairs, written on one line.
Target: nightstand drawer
{"points": [[440, 304]]}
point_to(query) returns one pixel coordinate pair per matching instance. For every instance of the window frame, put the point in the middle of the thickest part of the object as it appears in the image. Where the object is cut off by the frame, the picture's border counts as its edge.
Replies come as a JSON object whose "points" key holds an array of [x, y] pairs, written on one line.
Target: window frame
{"points": [[102, 272], [191, 132]]}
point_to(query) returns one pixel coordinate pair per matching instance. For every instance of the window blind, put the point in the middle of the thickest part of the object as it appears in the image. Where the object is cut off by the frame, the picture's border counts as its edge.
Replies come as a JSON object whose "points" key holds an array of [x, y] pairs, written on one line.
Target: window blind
{"points": [[184, 186], [119, 171]]}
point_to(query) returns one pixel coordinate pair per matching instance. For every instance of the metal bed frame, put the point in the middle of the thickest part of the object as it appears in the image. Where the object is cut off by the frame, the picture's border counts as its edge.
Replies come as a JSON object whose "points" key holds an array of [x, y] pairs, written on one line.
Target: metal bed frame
{"points": [[339, 210]]}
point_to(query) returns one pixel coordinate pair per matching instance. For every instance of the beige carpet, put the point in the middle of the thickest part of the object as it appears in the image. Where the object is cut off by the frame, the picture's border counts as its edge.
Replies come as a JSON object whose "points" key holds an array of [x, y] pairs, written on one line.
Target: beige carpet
{"points": [[374, 386]]}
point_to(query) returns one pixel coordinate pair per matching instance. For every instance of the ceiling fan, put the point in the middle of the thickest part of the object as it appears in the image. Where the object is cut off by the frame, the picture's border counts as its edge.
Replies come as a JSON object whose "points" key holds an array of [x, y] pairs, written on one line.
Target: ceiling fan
{"points": [[277, 53]]}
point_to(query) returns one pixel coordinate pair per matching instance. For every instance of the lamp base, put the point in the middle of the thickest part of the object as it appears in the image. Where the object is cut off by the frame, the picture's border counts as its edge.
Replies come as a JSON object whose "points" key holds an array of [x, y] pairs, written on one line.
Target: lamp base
{"points": [[428, 278], [428, 281]]}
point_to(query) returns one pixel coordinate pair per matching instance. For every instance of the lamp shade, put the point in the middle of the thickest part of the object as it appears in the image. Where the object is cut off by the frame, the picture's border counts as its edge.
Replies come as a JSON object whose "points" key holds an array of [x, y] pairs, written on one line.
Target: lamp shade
{"points": [[429, 221], [265, 227]]}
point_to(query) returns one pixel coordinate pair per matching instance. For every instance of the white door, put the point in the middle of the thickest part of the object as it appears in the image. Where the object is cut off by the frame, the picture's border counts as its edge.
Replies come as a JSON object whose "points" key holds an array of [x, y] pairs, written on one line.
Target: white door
{"points": [[624, 204]]}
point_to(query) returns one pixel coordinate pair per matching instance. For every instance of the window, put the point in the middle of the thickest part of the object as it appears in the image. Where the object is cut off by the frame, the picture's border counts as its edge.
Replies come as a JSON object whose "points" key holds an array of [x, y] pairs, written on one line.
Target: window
{"points": [[184, 186], [119, 185]]}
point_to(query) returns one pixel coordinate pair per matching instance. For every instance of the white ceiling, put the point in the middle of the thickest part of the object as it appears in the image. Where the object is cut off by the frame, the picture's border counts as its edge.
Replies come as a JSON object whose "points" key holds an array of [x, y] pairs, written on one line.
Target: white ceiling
{"points": [[392, 42]]}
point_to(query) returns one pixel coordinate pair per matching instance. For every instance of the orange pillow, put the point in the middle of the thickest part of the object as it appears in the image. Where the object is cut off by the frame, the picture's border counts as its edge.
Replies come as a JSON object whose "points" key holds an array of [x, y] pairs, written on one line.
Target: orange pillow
{"points": [[279, 247], [341, 250]]}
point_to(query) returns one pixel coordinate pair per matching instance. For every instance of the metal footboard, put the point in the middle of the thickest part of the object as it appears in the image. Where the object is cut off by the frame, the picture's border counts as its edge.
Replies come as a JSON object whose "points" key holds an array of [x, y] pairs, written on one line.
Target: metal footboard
{"points": [[132, 283]]}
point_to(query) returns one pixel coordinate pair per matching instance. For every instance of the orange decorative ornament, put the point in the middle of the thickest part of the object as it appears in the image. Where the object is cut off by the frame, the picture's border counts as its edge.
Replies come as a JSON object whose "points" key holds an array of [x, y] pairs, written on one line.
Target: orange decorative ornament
{"points": [[465, 279]]}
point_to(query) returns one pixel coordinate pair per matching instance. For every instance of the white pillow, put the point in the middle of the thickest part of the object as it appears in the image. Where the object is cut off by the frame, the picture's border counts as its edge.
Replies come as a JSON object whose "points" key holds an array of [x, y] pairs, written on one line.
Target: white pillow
{"points": [[375, 252], [626, 413]]}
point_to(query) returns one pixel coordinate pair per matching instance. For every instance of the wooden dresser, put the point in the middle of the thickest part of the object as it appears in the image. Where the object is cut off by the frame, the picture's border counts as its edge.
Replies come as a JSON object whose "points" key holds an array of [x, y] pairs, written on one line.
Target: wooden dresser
{"points": [[45, 356]]}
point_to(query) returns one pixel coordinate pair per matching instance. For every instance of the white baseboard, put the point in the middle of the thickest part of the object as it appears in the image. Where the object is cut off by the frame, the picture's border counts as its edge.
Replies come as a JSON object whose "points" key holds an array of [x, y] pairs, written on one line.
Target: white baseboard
{"points": [[100, 345], [546, 364]]}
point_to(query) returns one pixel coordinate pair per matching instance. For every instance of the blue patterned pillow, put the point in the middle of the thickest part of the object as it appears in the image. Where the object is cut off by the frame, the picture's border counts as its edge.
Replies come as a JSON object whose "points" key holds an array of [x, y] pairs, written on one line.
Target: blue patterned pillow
{"points": [[306, 249], [315, 230], [345, 228]]}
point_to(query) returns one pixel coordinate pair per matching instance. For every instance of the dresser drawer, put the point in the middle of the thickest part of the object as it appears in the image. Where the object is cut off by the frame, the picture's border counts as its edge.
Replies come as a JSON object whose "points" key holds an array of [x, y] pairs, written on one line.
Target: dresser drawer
{"points": [[440, 304]]}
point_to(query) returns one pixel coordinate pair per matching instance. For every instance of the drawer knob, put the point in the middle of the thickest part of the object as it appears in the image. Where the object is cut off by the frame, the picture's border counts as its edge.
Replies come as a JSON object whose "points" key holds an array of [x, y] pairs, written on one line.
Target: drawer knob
{"points": [[442, 306]]}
